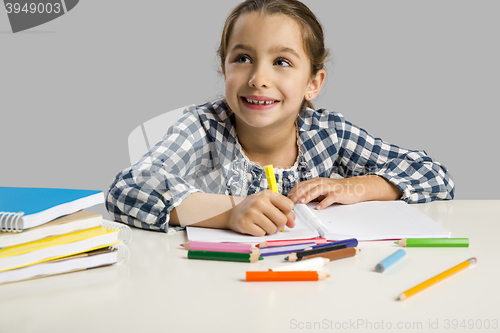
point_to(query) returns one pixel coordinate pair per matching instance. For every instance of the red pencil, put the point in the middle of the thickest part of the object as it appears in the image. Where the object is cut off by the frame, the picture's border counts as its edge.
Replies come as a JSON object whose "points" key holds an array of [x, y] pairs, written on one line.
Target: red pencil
{"points": [[318, 241]]}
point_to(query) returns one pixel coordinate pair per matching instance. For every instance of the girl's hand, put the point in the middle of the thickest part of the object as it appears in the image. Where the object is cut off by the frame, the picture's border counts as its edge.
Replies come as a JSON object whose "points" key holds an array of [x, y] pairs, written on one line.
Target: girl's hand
{"points": [[344, 191], [327, 191], [261, 214]]}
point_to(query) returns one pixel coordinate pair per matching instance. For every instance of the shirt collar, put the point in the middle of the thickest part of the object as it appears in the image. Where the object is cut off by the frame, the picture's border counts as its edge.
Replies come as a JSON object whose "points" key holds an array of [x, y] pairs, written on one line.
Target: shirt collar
{"points": [[318, 139]]}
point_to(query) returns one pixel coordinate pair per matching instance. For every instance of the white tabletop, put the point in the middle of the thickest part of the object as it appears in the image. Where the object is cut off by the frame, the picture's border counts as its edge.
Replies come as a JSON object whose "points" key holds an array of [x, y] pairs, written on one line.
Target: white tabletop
{"points": [[160, 290]]}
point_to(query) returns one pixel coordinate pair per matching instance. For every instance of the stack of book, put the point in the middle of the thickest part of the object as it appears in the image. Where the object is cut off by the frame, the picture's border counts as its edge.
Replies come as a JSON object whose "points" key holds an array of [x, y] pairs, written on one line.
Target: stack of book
{"points": [[46, 231]]}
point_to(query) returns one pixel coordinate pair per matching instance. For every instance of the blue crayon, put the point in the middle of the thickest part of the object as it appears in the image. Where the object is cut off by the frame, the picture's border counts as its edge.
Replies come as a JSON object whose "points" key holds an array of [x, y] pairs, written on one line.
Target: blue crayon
{"points": [[387, 262], [351, 242]]}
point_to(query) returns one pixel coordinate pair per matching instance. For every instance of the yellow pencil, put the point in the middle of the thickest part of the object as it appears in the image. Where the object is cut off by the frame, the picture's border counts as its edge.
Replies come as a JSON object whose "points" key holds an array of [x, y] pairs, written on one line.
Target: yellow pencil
{"points": [[271, 181], [437, 278]]}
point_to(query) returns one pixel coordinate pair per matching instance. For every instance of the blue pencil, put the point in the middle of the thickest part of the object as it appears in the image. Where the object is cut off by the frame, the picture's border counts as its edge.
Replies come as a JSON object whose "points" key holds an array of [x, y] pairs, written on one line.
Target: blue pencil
{"points": [[351, 242], [285, 249], [384, 264]]}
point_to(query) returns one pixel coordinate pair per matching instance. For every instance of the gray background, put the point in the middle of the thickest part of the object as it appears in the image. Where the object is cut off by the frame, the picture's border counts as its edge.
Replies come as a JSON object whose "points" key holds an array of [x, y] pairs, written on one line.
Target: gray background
{"points": [[420, 74]]}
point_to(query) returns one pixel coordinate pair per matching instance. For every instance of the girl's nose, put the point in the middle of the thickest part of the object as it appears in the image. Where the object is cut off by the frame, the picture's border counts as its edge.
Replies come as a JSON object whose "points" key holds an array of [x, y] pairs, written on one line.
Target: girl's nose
{"points": [[259, 79]]}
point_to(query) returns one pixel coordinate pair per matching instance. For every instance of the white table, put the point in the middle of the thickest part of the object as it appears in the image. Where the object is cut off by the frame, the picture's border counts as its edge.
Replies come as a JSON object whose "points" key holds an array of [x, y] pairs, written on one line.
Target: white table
{"points": [[160, 290]]}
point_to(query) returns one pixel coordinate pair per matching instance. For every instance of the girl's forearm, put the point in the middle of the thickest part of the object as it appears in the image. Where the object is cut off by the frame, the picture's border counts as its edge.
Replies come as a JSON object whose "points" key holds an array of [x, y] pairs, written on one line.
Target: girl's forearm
{"points": [[204, 210], [376, 188]]}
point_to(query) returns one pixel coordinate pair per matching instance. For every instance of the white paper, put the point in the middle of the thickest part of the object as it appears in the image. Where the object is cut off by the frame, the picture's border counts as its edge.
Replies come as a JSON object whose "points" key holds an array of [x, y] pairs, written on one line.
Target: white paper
{"points": [[374, 220]]}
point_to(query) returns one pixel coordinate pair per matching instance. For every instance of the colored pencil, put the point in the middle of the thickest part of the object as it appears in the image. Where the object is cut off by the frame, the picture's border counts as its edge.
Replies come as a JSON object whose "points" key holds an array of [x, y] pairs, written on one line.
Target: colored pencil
{"points": [[304, 265], [390, 260], [333, 255], [434, 242], [271, 181], [277, 250], [221, 247], [437, 278], [272, 243], [224, 256], [351, 242], [297, 256], [263, 276]]}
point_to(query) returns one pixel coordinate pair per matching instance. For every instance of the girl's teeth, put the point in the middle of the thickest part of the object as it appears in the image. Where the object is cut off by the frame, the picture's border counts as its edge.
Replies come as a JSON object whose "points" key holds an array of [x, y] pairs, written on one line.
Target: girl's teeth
{"points": [[251, 101]]}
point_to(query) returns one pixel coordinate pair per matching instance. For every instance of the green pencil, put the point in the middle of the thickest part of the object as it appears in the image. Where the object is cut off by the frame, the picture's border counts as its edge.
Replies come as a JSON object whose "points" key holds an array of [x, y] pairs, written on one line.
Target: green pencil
{"points": [[434, 242], [253, 256]]}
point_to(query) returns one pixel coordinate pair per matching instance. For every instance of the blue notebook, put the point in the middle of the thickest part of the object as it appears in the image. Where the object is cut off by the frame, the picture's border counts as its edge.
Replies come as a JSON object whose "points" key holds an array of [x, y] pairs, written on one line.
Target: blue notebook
{"points": [[25, 207]]}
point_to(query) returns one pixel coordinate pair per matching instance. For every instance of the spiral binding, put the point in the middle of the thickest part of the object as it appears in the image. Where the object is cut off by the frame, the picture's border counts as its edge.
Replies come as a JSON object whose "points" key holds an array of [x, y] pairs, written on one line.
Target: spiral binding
{"points": [[124, 234], [10, 221], [123, 252]]}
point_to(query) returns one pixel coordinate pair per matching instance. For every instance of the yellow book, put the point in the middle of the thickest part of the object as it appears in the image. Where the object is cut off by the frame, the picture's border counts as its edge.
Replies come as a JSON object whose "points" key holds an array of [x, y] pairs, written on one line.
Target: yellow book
{"points": [[57, 247]]}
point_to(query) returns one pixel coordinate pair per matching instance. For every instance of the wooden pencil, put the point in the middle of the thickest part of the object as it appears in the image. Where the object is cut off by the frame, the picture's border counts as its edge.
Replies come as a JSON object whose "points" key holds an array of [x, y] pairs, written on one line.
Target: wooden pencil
{"points": [[272, 243], [221, 247], [304, 265], [334, 255], [437, 278], [297, 256], [252, 257], [434, 242], [263, 276]]}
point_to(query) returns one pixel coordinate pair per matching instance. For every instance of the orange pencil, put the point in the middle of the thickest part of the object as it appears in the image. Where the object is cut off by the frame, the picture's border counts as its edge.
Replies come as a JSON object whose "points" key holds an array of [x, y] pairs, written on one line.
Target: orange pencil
{"points": [[263, 276], [437, 278]]}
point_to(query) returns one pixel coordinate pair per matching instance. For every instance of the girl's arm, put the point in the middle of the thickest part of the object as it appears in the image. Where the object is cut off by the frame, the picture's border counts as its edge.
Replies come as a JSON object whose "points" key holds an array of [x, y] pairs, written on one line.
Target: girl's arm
{"points": [[344, 191], [167, 188], [144, 194], [259, 214], [377, 170]]}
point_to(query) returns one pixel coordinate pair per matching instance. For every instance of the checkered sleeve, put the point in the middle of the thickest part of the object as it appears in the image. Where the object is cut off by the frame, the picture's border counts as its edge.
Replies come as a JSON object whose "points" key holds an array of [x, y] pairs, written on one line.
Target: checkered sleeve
{"points": [[419, 177], [144, 194]]}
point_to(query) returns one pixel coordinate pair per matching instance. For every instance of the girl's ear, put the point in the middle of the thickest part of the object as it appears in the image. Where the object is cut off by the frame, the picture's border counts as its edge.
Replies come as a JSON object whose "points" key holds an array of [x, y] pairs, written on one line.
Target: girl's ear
{"points": [[315, 85]]}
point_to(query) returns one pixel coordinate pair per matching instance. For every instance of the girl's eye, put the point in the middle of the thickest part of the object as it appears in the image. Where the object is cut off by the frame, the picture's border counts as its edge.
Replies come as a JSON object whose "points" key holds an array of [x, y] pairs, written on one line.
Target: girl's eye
{"points": [[242, 59], [282, 62]]}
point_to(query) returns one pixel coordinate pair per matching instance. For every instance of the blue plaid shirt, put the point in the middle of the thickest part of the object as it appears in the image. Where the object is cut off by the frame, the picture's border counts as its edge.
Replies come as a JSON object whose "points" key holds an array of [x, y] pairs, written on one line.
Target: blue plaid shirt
{"points": [[201, 153]]}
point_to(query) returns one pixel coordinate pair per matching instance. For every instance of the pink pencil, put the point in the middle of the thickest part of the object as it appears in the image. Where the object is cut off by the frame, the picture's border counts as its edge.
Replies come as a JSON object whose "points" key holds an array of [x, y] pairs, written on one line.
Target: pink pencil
{"points": [[219, 247], [318, 241]]}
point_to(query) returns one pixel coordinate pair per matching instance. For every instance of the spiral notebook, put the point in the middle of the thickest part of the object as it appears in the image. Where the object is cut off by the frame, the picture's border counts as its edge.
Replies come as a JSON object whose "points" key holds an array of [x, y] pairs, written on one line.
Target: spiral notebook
{"points": [[25, 207], [80, 220]]}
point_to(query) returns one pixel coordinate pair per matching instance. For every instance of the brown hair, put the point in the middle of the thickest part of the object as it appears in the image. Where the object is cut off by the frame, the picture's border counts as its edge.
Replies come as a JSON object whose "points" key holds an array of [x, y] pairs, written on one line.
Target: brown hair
{"points": [[312, 31]]}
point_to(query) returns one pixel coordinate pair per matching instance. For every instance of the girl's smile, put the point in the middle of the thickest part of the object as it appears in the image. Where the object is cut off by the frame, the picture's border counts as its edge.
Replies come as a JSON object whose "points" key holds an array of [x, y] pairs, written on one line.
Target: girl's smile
{"points": [[259, 102]]}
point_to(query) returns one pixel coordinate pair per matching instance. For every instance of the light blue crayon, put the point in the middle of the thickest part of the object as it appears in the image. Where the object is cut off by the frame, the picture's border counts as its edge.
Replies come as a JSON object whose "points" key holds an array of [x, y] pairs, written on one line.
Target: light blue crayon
{"points": [[387, 262]]}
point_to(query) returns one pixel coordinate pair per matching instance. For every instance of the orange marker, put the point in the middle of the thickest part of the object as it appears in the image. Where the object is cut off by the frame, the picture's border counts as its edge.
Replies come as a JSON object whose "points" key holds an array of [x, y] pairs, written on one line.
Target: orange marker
{"points": [[437, 278], [263, 276]]}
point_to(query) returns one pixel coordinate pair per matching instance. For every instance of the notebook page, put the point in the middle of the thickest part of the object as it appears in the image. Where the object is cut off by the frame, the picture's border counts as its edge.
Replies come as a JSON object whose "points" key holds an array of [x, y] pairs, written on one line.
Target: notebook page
{"points": [[378, 220]]}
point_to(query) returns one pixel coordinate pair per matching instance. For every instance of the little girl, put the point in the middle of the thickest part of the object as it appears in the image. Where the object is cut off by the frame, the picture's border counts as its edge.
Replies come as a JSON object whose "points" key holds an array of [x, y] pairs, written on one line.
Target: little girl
{"points": [[209, 168]]}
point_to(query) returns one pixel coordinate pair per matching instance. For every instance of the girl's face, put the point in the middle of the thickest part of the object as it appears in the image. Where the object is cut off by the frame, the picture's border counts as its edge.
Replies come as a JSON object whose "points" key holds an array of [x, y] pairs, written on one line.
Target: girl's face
{"points": [[267, 71]]}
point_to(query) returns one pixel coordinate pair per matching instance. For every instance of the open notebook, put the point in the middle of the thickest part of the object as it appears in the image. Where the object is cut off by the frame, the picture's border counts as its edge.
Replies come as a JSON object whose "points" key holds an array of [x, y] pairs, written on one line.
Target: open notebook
{"points": [[375, 220]]}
